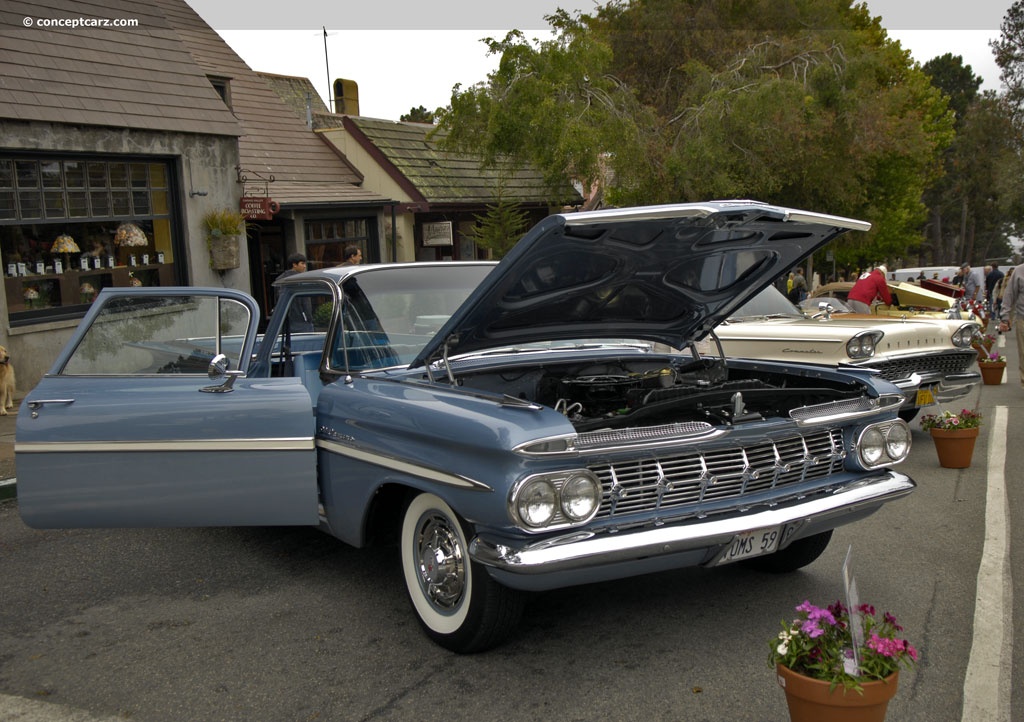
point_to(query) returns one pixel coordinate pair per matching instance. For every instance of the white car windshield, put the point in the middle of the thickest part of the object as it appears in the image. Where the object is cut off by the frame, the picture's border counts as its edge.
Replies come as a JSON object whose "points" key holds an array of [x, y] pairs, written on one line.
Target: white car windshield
{"points": [[768, 303]]}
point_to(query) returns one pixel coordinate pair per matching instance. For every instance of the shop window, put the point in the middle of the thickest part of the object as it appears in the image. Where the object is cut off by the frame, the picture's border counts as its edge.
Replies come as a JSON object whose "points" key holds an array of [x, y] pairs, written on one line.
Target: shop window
{"points": [[326, 241], [70, 227]]}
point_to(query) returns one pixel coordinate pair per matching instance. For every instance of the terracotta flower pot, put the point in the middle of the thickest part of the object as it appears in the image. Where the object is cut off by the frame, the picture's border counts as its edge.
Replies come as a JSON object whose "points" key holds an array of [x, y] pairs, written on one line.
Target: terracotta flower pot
{"points": [[992, 372], [811, 700], [955, 447]]}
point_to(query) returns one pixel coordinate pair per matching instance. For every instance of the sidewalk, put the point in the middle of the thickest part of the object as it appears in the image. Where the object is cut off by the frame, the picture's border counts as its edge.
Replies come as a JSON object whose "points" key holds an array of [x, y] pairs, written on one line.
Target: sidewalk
{"points": [[7, 473]]}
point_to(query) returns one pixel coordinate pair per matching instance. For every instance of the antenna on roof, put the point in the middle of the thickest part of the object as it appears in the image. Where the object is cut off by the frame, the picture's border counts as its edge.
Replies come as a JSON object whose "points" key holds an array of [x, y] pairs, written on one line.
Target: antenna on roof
{"points": [[327, 64]]}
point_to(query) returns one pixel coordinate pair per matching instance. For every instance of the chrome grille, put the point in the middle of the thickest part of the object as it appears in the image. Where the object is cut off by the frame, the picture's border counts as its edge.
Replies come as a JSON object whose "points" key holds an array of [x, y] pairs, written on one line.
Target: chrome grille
{"points": [[695, 477], [952, 362]]}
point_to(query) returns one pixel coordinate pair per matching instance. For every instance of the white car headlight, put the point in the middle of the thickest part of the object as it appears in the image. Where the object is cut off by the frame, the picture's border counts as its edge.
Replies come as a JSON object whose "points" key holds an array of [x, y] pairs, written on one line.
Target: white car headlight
{"points": [[964, 335], [580, 497], [535, 502], [863, 345]]}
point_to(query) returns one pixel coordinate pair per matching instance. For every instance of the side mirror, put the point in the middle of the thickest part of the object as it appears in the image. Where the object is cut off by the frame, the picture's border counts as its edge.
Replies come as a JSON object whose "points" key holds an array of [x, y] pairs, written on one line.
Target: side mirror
{"points": [[220, 368]]}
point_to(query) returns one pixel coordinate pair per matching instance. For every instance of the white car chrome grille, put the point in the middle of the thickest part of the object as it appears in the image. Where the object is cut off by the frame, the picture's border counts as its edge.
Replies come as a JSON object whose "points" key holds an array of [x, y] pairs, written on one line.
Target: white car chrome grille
{"points": [[694, 477], [952, 362]]}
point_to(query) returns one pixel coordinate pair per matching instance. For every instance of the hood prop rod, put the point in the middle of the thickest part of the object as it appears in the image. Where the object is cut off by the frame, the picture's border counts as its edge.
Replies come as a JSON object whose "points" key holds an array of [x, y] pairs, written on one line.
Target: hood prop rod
{"points": [[454, 341]]}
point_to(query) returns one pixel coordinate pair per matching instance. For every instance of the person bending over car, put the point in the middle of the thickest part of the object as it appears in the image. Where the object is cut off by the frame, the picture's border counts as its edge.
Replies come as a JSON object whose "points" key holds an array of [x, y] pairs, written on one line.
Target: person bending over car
{"points": [[867, 288]]}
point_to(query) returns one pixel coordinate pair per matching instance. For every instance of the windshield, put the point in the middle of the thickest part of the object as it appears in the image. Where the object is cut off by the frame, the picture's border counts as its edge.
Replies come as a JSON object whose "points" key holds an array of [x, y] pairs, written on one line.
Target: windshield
{"points": [[389, 316], [813, 305], [769, 302]]}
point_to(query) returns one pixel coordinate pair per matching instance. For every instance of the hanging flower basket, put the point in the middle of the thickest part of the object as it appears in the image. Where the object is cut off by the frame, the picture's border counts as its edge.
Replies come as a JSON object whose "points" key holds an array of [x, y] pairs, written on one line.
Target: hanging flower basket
{"points": [[223, 252], [224, 228], [992, 372]]}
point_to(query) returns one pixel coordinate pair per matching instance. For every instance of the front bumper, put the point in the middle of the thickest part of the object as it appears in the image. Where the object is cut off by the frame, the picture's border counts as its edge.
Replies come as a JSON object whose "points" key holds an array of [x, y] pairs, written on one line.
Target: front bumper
{"points": [[585, 556], [943, 388]]}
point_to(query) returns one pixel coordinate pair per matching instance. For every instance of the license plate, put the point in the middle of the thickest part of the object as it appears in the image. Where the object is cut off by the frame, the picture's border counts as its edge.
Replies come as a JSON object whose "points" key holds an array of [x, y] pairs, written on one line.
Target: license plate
{"points": [[752, 544], [925, 397]]}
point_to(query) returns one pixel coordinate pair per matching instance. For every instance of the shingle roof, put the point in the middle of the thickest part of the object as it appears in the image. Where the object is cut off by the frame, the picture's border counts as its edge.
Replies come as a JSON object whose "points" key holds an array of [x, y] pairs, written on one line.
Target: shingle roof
{"points": [[155, 77], [276, 141], [295, 92], [127, 77], [442, 177]]}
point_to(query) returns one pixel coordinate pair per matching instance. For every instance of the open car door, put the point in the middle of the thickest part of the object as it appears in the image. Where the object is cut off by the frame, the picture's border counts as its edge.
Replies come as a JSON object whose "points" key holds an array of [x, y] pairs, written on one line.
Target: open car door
{"points": [[129, 430]]}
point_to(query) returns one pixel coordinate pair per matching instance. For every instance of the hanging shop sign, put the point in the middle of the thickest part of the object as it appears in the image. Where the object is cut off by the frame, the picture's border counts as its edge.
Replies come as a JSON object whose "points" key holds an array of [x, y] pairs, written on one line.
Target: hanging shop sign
{"points": [[258, 208]]}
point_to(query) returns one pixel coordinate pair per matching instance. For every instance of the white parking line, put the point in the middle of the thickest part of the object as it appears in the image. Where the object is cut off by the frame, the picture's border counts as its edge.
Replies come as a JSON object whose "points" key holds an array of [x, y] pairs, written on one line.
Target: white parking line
{"points": [[987, 683], [18, 709]]}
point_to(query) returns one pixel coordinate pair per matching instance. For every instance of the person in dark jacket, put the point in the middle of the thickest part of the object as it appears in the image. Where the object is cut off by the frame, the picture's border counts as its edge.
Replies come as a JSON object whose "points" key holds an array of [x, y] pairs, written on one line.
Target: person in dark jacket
{"points": [[798, 292], [300, 313], [992, 278]]}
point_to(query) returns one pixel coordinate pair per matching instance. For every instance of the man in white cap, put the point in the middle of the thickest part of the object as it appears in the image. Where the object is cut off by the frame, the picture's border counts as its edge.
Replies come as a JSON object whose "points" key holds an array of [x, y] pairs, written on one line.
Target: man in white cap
{"points": [[867, 288]]}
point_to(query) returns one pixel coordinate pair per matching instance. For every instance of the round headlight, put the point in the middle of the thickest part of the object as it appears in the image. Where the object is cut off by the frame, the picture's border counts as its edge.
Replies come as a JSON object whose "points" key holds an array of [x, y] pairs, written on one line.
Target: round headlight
{"points": [[535, 503], [872, 446], [964, 335], [897, 442], [862, 346], [580, 497]]}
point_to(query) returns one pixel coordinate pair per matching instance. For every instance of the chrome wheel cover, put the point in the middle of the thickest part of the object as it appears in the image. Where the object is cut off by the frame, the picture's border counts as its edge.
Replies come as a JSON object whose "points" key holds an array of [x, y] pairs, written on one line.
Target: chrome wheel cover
{"points": [[442, 564]]}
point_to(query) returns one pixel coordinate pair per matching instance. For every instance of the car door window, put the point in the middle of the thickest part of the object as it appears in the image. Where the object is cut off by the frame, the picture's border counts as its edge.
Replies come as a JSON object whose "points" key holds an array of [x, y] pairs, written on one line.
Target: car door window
{"points": [[160, 335]]}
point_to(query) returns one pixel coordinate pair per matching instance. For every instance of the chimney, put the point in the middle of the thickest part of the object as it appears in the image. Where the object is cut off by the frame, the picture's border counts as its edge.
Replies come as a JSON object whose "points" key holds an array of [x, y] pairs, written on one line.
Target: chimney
{"points": [[346, 97]]}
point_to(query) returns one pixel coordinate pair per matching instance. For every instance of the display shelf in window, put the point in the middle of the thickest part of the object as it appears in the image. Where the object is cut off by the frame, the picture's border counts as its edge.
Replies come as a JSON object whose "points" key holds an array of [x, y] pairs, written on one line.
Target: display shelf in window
{"points": [[33, 292], [49, 290], [154, 274]]}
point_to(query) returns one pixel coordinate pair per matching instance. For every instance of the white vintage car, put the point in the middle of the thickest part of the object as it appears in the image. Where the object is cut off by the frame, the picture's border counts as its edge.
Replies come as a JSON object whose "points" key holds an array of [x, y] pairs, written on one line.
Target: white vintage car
{"points": [[908, 299], [929, 359]]}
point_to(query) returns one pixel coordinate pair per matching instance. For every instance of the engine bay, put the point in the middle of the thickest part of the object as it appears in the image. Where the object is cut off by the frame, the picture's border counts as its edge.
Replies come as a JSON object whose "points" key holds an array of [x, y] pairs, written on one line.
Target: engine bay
{"points": [[619, 392]]}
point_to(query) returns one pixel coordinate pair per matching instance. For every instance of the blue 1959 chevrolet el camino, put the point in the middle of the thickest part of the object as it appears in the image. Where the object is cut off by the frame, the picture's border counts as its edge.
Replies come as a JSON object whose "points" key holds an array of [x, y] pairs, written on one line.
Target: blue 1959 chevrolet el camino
{"points": [[543, 422]]}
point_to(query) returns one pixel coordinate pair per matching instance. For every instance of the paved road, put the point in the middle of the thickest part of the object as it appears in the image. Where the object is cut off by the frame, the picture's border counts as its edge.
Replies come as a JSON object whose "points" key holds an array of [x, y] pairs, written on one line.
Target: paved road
{"points": [[289, 624]]}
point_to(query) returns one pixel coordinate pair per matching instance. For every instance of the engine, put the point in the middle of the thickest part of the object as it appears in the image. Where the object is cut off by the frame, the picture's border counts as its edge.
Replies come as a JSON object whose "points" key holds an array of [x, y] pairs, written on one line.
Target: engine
{"points": [[619, 392]]}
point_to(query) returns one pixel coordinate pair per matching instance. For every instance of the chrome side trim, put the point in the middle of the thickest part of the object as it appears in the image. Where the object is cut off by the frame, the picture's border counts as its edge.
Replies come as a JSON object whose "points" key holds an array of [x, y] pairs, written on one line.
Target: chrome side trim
{"points": [[64, 447], [406, 467], [583, 549]]}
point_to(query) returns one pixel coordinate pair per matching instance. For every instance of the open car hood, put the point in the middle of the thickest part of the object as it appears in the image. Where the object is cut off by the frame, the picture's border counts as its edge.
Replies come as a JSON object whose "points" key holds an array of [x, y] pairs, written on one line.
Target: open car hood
{"points": [[665, 274], [909, 294]]}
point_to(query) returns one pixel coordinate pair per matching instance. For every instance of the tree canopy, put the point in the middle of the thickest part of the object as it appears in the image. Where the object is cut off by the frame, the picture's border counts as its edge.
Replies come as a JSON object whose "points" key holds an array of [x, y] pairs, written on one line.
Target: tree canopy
{"points": [[804, 103]]}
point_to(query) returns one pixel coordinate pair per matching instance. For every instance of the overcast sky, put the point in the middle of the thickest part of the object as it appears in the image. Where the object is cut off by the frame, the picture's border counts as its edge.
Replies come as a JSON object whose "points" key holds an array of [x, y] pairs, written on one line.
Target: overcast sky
{"points": [[423, 49]]}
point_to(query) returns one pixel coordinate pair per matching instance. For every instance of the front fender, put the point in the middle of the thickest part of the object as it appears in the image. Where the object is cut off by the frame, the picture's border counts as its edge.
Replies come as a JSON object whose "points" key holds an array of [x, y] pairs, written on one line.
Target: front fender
{"points": [[458, 445]]}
